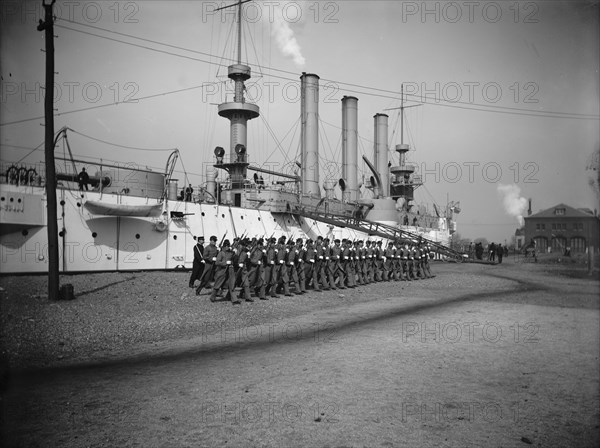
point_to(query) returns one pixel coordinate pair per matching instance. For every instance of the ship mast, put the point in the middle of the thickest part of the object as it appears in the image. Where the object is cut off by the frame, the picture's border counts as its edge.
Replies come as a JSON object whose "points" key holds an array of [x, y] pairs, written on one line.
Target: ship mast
{"points": [[403, 184], [238, 112]]}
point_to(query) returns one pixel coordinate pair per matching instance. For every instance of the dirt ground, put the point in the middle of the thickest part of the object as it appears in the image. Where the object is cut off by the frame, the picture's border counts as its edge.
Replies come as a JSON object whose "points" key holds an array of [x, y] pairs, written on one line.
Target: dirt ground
{"points": [[481, 355]]}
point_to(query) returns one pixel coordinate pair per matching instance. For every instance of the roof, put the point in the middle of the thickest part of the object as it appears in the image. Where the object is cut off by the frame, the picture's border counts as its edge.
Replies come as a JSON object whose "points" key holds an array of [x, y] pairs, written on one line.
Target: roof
{"points": [[570, 212]]}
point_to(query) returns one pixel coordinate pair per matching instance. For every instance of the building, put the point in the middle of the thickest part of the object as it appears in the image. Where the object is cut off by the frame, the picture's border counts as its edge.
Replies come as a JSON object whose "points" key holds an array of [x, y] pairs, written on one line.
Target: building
{"points": [[561, 227]]}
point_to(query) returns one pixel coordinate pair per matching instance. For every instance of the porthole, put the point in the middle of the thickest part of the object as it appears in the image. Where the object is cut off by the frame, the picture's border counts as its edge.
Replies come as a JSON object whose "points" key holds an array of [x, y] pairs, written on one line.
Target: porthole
{"points": [[62, 202], [25, 232], [19, 200], [94, 234], [223, 215], [61, 233], [202, 213], [174, 237], [137, 236]]}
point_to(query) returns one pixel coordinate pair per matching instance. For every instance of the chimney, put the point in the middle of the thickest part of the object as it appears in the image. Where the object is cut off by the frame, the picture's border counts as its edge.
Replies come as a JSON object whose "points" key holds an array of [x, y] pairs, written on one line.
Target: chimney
{"points": [[350, 146], [380, 151], [309, 135]]}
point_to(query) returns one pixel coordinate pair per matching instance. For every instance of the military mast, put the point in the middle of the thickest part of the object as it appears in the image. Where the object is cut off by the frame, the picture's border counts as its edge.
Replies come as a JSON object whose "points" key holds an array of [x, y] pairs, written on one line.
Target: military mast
{"points": [[238, 112], [404, 183]]}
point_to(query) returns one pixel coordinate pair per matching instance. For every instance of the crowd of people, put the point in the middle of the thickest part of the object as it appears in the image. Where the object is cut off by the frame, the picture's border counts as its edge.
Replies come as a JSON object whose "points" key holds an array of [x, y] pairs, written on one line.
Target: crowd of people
{"points": [[268, 267], [495, 252]]}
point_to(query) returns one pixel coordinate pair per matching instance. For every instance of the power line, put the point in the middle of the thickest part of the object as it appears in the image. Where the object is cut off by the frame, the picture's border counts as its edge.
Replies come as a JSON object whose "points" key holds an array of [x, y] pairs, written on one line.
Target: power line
{"points": [[470, 105], [393, 95]]}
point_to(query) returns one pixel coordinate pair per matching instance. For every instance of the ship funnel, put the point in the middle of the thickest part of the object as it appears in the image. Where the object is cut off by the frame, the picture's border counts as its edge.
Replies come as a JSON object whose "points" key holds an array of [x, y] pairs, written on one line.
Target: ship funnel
{"points": [[380, 151], [309, 137], [211, 183], [350, 146]]}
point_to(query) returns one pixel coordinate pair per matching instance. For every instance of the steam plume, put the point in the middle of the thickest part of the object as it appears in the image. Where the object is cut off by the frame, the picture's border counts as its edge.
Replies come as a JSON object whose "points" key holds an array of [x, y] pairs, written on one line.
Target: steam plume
{"points": [[514, 204], [287, 43]]}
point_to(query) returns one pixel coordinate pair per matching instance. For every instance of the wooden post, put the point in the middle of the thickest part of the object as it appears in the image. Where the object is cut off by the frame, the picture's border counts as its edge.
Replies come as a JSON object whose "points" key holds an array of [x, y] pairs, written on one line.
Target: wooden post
{"points": [[52, 224], [590, 260]]}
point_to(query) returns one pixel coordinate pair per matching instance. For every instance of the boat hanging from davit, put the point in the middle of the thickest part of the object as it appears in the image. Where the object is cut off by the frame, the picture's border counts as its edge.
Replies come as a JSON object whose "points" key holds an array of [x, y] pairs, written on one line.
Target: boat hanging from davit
{"points": [[137, 219]]}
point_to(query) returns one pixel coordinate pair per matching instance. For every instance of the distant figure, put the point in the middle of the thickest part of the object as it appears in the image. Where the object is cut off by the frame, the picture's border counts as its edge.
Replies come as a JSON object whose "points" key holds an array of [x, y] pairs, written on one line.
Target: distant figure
{"points": [[492, 253], [261, 182], [499, 252], [198, 266], [479, 251], [188, 193], [84, 179]]}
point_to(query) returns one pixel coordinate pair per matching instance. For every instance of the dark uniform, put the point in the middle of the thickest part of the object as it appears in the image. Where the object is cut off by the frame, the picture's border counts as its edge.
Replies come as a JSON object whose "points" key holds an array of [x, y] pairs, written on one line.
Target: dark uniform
{"points": [[256, 274], [310, 265], [242, 276], [225, 274], [300, 262], [336, 269], [198, 265], [271, 268], [210, 256]]}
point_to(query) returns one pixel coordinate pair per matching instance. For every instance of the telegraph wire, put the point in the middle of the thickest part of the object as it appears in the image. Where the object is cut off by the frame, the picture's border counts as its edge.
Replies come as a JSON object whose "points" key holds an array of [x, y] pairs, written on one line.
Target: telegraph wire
{"points": [[393, 93], [490, 108]]}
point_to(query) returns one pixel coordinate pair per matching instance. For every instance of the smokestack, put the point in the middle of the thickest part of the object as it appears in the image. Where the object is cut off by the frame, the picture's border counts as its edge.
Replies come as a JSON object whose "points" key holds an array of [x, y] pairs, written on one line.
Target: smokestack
{"points": [[211, 183], [309, 136], [529, 209], [380, 151], [350, 146]]}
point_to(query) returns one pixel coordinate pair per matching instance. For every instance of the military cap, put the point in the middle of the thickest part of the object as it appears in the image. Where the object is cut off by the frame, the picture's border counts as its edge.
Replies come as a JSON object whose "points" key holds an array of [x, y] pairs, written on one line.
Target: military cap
{"points": [[213, 238], [299, 240], [226, 243]]}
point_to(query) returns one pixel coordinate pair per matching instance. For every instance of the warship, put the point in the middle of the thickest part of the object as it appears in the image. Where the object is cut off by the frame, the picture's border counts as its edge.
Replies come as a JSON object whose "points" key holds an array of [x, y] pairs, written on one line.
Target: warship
{"points": [[142, 219]]}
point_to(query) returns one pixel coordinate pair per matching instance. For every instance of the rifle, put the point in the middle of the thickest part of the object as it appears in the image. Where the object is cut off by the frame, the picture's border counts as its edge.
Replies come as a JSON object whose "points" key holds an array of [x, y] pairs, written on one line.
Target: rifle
{"points": [[222, 239]]}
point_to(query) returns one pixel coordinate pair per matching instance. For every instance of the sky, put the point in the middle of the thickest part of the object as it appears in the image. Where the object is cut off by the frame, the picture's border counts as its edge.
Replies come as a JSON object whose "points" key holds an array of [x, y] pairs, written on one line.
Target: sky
{"points": [[508, 91]]}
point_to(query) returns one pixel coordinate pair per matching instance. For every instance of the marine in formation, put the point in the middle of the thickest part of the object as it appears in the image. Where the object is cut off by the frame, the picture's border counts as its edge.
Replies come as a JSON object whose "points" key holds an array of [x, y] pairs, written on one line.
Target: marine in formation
{"points": [[245, 269]]}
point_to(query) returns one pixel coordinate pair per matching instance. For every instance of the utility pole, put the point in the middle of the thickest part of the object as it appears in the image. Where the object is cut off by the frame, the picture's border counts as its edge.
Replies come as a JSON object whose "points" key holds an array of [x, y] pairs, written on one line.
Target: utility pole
{"points": [[52, 224]]}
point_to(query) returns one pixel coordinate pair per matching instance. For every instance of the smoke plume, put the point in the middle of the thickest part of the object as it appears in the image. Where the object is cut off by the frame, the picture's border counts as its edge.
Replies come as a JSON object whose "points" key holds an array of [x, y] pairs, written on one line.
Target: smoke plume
{"points": [[514, 204], [286, 41]]}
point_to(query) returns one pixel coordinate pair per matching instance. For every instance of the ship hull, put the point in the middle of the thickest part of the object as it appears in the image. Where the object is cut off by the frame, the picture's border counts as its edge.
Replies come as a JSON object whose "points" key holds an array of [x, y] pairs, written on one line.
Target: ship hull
{"points": [[118, 236]]}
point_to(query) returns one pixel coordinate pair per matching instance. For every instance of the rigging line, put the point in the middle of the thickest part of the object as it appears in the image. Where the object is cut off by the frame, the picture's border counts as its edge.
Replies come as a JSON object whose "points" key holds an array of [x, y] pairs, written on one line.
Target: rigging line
{"points": [[133, 44], [99, 106], [121, 146], [323, 79], [293, 127], [31, 152], [277, 144]]}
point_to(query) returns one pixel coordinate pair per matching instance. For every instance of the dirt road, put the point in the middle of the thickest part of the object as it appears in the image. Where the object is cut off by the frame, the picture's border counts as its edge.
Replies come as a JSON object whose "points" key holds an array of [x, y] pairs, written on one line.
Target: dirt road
{"points": [[478, 356]]}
